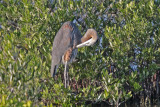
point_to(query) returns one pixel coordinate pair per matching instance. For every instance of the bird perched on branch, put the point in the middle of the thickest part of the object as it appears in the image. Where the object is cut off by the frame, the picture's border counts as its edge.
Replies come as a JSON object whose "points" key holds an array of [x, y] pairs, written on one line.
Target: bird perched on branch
{"points": [[65, 46]]}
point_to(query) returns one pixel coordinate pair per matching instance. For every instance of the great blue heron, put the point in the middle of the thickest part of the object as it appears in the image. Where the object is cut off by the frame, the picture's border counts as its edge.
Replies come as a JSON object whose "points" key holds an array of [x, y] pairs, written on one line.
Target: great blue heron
{"points": [[65, 46]]}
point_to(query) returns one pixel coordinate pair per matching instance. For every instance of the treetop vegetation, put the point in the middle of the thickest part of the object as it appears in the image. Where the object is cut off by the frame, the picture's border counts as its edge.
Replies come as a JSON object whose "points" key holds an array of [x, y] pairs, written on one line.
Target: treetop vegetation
{"points": [[124, 66]]}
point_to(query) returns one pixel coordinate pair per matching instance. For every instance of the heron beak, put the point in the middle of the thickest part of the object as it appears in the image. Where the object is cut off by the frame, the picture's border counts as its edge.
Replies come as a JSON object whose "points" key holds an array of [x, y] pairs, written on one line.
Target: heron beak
{"points": [[87, 43]]}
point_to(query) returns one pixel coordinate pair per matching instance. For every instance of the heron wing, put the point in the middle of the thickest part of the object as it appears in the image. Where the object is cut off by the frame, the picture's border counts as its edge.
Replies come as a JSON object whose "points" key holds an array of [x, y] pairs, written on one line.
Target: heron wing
{"points": [[66, 37], [62, 42]]}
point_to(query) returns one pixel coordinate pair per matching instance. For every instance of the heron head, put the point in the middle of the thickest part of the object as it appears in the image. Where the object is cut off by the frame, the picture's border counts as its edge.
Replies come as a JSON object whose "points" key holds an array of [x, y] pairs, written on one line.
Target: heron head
{"points": [[89, 38]]}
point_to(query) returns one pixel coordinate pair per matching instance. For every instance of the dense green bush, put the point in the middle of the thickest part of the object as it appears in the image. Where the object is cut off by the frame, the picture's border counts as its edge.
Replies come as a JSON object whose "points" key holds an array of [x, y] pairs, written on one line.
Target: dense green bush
{"points": [[112, 71]]}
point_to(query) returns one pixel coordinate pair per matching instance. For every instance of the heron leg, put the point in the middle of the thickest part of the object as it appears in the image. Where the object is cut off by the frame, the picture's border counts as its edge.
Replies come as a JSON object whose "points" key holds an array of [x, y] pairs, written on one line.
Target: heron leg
{"points": [[65, 75]]}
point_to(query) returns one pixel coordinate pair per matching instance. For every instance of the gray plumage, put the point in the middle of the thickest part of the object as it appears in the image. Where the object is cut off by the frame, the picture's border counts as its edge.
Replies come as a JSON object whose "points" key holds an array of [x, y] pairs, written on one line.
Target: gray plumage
{"points": [[65, 45]]}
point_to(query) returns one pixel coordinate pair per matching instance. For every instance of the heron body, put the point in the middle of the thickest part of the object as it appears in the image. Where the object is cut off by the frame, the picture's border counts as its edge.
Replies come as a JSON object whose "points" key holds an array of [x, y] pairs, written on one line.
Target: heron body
{"points": [[65, 46]]}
